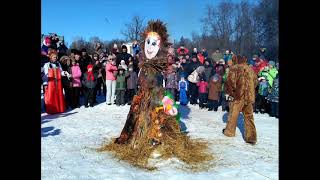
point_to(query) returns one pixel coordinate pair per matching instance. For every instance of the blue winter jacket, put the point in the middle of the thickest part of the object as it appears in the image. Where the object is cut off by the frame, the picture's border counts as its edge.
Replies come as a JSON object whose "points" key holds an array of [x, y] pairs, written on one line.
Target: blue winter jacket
{"points": [[136, 48]]}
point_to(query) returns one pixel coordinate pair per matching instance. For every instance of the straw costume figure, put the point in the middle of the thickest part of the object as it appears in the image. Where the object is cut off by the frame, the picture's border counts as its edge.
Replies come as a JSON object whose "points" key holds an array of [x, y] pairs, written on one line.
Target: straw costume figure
{"points": [[152, 126]]}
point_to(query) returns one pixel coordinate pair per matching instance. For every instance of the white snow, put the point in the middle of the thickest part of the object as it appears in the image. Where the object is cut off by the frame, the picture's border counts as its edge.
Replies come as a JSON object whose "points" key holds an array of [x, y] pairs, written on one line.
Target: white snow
{"points": [[69, 140]]}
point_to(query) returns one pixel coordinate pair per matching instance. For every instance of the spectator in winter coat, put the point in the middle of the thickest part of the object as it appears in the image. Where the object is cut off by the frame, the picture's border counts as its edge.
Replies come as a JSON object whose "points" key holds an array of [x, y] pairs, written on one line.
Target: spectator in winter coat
{"points": [[273, 98], [204, 53], [171, 80], [62, 50], [136, 48], [183, 89], [194, 52], [97, 66], [259, 65], [76, 84], [187, 57], [262, 53], [182, 51], [262, 94], [272, 69], [208, 72], [216, 56], [135, 62], [98, 48], [240, 90], [120, 87], [203, 93], [54, 41], [89, 82], [132, 83], [45, 46], [253, 60], [115, 50], [227, 56], [103, 61], [111, 72], [66, 80], [123, 56], [85, 60], [265, 73], [214, 92], [193, 90], [220, 68], [193, 65]]}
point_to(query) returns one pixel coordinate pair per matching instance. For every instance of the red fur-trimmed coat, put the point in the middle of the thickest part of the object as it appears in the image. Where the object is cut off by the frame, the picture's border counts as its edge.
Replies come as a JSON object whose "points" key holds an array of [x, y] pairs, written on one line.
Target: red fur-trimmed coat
{"points": [[241, 83]]}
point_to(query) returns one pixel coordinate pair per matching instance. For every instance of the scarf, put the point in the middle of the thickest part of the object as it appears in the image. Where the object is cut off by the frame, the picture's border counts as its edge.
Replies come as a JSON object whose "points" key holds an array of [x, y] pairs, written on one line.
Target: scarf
{"points": [[90, 75]]}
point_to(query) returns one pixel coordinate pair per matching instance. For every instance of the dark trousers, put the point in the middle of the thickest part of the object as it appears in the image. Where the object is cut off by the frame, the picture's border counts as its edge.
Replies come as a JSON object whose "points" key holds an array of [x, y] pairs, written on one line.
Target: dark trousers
{"points": [[223, 102], [261, 103], [120, 97], [193, 93], [130, 93], [67, 95], [213, 104], [203, 99], [274, 109], [88, 96], [75, 97], [98, 86]]}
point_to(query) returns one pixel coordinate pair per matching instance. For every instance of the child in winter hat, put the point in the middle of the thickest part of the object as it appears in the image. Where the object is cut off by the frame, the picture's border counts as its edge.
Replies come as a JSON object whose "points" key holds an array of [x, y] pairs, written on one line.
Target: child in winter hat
{"points": [[89, 81], [123, 65]]}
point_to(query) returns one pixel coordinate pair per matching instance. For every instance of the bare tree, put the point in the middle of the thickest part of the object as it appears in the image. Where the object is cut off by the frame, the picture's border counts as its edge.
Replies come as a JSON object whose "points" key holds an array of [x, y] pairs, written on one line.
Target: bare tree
{"points": [[134, 28]]}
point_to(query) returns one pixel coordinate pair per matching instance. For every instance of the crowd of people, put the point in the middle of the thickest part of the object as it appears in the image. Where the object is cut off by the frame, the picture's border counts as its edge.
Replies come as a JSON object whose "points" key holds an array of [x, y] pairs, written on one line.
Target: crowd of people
{"points": [[193, 77]]}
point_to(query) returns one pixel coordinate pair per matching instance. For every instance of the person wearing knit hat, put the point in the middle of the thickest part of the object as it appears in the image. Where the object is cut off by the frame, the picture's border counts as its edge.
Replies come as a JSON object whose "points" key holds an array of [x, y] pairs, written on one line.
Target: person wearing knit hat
{"points": [[221, 61], [214, 92], [266, 74], [123, 55], [111, 73], [171, 80], [123, 65], [261, 103], [120, 86], [272, 71], [75, 84], [132, 83], [45, 46], [89, 83]]}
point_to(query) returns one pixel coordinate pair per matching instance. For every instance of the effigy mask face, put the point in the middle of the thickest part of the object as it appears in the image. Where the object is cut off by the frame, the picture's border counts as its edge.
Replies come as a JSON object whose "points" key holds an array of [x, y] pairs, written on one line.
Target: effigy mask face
{"points": [[152, 45]]}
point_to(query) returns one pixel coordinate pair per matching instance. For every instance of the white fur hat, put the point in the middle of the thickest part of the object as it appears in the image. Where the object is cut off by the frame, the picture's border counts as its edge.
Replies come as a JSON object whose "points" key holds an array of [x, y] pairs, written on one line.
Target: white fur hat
{"points": [[221, 61]]}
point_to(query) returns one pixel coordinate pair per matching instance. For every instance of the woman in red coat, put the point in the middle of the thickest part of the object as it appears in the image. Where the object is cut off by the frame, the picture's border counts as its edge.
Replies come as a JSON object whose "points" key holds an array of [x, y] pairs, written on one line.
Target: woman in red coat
{"points": [[53, 95]]}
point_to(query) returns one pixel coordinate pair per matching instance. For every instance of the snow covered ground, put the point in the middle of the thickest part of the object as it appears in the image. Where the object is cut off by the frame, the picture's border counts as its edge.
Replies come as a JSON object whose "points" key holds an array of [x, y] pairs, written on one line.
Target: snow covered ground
{"points": [[69, 140]]}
